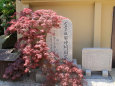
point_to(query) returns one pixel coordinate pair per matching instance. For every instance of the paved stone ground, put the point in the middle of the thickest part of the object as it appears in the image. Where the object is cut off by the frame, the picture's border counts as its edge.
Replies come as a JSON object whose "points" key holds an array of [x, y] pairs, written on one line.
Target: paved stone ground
{"points": [[90, 82], [18, 84], [95, 81], [99, 82]]}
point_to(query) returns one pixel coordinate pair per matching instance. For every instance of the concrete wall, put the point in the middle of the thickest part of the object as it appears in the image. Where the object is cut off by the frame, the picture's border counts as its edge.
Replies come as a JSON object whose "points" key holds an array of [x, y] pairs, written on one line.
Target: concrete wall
{"points": [[92, 20], [82, 30], [106, 30]]}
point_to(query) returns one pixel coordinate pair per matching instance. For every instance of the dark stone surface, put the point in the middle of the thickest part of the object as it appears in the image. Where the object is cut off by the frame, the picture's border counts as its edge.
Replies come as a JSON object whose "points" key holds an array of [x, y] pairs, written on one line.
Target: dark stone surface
{"points": [[6, 55], [9, 56]]}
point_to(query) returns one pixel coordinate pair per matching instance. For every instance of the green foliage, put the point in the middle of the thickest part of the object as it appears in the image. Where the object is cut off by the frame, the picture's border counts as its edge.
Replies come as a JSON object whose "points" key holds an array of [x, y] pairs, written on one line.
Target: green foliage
{"points": [[7, 9]]}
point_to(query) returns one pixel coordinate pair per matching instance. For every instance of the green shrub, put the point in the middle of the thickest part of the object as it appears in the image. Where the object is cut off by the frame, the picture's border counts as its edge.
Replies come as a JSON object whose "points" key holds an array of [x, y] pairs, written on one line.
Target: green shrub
{"points": [[7, 10]]}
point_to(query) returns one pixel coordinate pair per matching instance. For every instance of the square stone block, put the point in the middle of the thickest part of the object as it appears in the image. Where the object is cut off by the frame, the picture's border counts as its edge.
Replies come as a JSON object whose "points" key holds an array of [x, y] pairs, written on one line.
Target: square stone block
{"points": [[88, 72], [75, 61], [97, 59], [105, 73]]}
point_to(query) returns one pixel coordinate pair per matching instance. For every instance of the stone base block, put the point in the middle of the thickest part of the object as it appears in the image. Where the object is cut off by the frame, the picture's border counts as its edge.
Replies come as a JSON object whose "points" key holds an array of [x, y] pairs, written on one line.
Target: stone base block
{"points": [[105, 73], [74, 61], [40, 78], [88, 72]]}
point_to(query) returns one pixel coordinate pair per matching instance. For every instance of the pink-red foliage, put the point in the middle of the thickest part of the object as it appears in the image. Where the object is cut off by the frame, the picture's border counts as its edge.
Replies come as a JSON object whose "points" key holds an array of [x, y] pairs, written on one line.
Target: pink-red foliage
{"points": [[33, 28], [61, 72]]}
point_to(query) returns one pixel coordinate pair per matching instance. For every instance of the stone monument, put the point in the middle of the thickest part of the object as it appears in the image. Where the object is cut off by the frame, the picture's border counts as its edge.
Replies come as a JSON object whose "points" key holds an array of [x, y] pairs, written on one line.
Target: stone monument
{"points": [[61, 42], [97, 59]]}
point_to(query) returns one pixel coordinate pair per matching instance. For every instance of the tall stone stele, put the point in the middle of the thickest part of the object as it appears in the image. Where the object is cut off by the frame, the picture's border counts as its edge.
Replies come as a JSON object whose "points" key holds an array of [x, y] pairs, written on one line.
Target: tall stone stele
{"points": [[61, 42]]}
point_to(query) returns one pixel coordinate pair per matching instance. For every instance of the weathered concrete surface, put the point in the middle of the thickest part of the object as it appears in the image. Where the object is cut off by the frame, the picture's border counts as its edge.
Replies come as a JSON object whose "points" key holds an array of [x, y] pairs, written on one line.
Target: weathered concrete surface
{"points": [[99, 82], [97, 59]]}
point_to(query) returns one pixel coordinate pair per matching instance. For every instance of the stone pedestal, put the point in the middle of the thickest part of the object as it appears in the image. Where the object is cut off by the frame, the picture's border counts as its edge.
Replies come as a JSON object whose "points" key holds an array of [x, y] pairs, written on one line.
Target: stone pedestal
{"points": [[74, 61], [97, 59], [105, 73], [40, 78], [37, 76], [88, 72]]}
